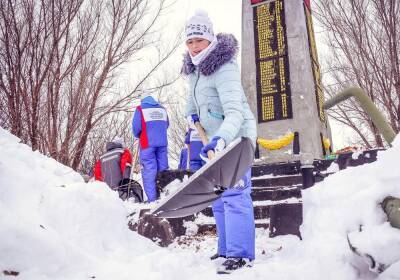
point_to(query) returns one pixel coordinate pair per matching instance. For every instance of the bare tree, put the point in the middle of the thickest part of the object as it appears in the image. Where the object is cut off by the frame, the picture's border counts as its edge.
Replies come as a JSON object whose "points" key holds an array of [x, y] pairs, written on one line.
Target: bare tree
{"points": [[363, 38], [61, 68]]}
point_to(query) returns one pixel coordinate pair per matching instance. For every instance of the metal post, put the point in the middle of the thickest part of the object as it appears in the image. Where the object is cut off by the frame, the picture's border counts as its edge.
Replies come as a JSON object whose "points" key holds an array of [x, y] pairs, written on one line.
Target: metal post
{"points": [[307, 172]]}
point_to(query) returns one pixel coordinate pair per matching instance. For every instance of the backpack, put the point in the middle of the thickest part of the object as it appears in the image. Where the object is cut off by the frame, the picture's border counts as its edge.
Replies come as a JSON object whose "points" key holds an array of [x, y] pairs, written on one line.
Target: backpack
{"points": [[130, 189]]}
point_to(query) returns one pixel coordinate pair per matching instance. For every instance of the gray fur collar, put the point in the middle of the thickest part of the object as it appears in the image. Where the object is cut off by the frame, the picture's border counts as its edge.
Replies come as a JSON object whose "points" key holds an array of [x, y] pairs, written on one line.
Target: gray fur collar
{"points": [[225, 50]]}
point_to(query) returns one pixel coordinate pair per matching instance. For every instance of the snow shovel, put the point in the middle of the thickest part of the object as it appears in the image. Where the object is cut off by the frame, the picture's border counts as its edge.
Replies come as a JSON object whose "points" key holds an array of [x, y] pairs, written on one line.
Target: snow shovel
{"points": [[135, 159], [204, 138], [224, 170]]}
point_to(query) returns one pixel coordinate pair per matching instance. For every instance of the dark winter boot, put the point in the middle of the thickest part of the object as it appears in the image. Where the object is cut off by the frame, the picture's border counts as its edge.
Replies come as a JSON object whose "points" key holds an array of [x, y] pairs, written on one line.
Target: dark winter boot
{"points": [[232, 264], [216, 256]]}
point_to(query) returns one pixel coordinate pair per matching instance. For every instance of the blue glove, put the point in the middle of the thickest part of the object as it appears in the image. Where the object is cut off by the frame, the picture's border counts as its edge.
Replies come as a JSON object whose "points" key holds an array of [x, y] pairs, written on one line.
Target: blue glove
{"points": [[193, 118], [216, 145]]}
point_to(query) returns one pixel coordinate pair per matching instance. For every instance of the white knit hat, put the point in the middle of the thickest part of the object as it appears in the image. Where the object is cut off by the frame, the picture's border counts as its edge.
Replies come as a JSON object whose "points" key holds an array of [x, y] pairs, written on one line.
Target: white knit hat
{"points": [[118, 140], [199, 26]]}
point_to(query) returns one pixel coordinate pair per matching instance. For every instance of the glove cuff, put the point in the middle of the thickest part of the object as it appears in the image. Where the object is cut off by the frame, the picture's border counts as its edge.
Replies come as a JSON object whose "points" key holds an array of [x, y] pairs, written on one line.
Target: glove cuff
{"points": [[220, 145]]}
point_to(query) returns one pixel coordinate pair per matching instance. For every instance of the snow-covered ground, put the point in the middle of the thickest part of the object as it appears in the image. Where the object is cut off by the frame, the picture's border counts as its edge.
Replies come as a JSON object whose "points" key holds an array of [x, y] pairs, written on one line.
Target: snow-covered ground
{"points": [[55, 226]]}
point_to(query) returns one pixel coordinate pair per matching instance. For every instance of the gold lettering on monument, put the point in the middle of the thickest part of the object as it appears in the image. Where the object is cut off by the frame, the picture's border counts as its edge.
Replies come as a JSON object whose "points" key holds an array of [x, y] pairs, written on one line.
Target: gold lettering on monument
{"points": [[272, 66]]}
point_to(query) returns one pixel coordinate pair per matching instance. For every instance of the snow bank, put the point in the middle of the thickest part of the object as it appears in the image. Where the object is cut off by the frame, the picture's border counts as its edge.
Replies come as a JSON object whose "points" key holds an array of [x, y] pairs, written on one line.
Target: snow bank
{"points": [[54, 225], [347, 202]]}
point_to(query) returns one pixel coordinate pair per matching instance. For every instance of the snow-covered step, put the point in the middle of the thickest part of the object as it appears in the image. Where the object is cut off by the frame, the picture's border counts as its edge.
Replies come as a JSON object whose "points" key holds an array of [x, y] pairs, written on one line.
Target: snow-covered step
{"points": [[275, 169], [261, 208], [276, 181], [292, 168], [205, 228], [275, 193]]}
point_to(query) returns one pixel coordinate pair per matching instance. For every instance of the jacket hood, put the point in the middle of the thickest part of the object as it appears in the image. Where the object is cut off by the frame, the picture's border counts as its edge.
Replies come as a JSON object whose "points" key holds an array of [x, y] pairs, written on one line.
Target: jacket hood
{"points": [[149, 100], [112, 146], [224, 51]]}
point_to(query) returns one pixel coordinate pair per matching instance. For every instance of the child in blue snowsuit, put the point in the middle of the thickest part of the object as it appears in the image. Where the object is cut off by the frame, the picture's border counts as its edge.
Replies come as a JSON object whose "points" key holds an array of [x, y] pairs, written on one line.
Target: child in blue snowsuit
{"points": [[216, 99], [150, 124], [195, 145]]}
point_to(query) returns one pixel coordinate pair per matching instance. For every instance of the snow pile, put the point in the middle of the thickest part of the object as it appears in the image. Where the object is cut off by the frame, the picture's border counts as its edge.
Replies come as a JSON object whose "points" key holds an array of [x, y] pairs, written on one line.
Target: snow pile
{"points": [[348, 202], [55, 226]]}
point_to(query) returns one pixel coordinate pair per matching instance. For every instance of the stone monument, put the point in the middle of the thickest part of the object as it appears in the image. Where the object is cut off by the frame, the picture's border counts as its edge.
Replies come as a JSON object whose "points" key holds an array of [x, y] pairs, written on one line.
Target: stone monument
{"points": [[281, 78]]}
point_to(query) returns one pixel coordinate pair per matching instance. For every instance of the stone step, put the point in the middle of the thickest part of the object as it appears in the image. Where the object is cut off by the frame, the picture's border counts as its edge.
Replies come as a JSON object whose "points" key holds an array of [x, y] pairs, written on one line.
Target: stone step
{"points": [[261, 208], [279, 188], [356, 159], [274, 193], [284, 168], [277, 181], [291, 168], [203, 228], [286, 219]]}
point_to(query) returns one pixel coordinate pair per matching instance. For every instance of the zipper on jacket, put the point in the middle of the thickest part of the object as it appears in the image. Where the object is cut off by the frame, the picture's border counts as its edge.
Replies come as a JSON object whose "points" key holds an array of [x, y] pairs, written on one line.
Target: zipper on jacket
{"points": [[194, 92], [216, 115]]}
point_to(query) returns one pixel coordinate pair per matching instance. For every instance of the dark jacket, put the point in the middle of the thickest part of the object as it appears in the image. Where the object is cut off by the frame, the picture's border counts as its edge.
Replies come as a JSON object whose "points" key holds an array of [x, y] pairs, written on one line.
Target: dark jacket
{"points": [[114, 165]]}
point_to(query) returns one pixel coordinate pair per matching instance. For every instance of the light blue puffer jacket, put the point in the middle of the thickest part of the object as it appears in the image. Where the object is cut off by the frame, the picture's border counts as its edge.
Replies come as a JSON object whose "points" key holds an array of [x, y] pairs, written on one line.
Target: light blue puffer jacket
{"points": [[216, 93]]}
